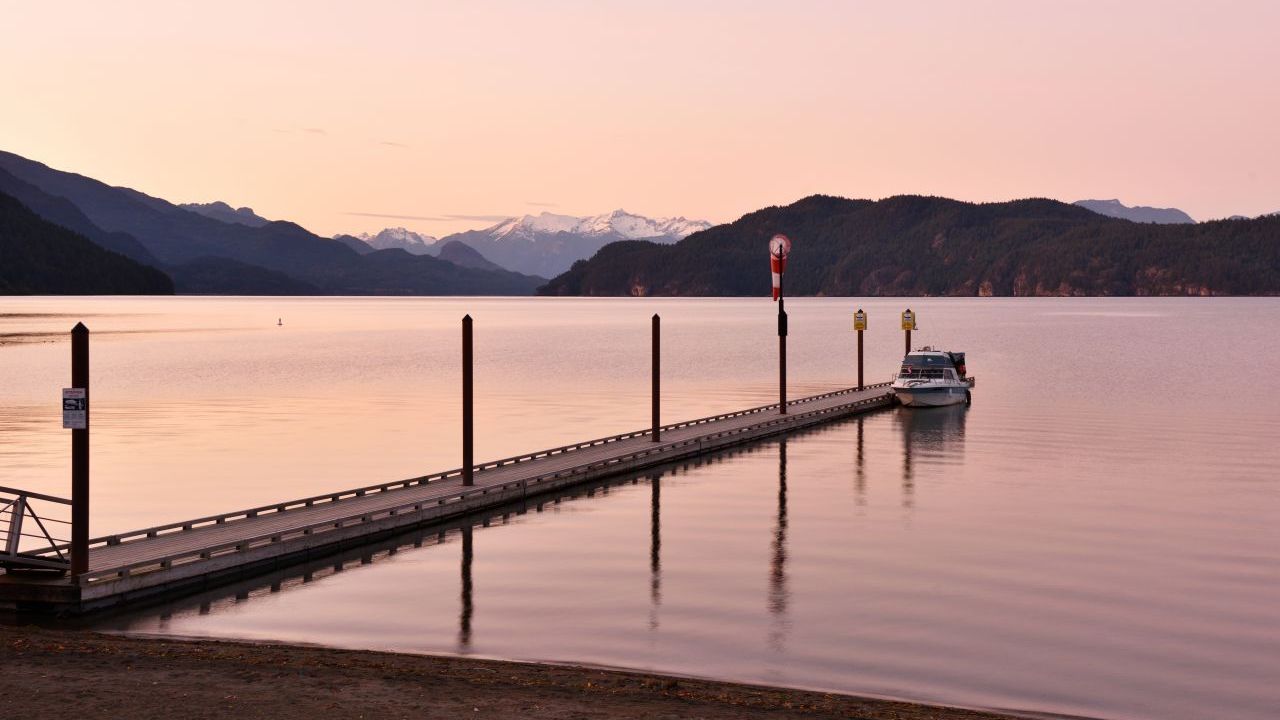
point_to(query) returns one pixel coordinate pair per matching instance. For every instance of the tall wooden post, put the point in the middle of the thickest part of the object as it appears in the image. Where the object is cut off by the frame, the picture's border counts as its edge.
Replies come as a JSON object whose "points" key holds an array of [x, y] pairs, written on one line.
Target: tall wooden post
{"points": [[782, 355], [860, 387], [80, 455], [468, 417], [656, 365], [860, 324], [907, 329]]}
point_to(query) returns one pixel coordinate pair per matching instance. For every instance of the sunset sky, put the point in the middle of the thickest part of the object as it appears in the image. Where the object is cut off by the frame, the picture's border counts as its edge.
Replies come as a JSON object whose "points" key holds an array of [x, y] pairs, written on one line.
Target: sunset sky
{"points": [[441, 117]]}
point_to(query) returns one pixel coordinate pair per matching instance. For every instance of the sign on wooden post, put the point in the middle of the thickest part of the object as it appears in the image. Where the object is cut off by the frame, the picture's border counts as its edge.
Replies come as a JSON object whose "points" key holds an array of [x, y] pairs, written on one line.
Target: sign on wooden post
{"points": [[75, 409]]}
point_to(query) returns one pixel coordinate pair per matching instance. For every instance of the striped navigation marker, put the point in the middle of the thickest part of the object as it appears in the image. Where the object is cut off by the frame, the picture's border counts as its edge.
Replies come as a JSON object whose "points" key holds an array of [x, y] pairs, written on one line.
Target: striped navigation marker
{"points": [[779, 247]]}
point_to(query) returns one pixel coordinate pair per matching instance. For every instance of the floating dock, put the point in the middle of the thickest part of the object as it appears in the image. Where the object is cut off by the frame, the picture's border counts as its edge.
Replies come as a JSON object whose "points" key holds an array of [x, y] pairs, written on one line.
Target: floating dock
{"points": [[199, 554]]}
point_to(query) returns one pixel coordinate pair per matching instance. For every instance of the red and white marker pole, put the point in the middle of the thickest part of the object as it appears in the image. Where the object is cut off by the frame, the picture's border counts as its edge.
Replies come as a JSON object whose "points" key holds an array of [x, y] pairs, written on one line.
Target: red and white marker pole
{"points": [[779, 248]]}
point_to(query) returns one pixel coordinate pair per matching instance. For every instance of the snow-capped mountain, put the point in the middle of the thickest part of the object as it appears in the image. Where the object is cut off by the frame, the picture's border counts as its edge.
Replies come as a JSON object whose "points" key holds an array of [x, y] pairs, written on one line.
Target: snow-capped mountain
{"points": [[618, 222], [547, 244], [405, 239]]}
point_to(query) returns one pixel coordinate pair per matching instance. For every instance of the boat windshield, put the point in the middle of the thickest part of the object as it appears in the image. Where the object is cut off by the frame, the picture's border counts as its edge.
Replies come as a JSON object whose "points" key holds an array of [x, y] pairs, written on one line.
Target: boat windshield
{"points": [[922, 373], [927, 361]]}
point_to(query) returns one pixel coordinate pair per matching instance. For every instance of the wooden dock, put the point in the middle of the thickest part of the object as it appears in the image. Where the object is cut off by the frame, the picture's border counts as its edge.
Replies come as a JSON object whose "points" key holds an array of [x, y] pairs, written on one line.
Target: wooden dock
{"points": [[197, 554]]}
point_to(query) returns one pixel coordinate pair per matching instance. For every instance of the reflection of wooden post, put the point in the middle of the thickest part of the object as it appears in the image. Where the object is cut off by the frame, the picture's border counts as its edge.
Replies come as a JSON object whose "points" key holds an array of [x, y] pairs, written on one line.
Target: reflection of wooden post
{"points": [[655, 542], [468, 417], [778, 594], [656, 365], [80, 455], [468, 607]]}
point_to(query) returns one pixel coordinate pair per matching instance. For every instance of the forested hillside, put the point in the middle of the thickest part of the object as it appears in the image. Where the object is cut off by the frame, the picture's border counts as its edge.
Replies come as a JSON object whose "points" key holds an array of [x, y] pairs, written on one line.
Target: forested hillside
{"points": [[40, 258], [911, 245]]}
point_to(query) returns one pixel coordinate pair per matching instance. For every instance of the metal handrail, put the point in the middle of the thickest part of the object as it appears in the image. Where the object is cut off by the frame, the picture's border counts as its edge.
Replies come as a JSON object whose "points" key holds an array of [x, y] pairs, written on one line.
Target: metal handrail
{"points": [[223, 518], [37, 496], [19, 508], [244, 544]]}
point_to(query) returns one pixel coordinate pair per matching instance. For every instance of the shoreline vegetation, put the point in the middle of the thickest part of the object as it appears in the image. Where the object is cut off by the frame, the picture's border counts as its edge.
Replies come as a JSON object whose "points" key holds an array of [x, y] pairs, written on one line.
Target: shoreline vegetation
{"points": [[51, 673]]}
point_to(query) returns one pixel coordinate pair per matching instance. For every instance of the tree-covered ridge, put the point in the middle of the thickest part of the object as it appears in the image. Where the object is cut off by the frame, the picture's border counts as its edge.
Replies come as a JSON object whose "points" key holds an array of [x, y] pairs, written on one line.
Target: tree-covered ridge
{"points": [[40, 258], [912, 246]]}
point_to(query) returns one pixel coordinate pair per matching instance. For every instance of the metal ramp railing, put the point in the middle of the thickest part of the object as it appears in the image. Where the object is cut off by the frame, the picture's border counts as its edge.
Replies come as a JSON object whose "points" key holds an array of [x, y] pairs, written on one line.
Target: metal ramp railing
{"points": [[26, 542]]}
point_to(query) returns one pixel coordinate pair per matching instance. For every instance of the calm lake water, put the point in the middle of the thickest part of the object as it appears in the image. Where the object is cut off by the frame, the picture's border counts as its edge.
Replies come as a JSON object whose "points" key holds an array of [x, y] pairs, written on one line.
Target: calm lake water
{"points": [[1098, 535]]}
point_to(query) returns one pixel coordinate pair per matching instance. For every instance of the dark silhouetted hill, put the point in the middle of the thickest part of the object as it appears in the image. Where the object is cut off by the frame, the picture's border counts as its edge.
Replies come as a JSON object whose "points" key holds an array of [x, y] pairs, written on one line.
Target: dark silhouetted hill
{"points": [[460, 253], [912, 246], [222, 276], [61, 211], [40, 258], [176, 236]]}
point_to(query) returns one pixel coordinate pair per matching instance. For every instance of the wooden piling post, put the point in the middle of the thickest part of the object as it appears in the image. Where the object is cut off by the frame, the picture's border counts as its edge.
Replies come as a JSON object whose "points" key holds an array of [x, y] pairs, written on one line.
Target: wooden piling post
{"points": [[80, 455], [656, 366], [782, 354], [908, 324], [468, 416], [860, 324]]}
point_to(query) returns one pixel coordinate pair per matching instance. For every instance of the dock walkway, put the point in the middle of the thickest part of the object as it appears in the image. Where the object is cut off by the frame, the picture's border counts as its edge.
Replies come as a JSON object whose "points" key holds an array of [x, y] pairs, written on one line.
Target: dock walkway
{"points": [[198, 553]]}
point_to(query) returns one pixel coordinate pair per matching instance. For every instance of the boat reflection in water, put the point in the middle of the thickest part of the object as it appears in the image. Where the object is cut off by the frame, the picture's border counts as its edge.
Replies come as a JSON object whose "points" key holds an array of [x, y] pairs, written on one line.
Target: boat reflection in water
{"points": [[930, 437]]}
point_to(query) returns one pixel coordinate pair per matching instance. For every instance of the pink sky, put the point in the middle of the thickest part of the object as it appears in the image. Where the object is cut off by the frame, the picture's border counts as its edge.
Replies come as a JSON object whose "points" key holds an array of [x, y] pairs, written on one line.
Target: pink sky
{"points": [[455, 112]]}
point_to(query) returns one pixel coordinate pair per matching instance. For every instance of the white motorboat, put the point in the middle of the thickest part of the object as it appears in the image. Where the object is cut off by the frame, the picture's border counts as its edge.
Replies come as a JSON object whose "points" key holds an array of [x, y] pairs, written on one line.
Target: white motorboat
{"points": [[932, 378]]}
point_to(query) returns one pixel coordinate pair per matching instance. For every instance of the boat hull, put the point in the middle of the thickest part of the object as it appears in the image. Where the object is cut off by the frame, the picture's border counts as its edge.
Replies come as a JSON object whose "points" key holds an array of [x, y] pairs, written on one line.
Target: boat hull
{"points": [[931, 397]]}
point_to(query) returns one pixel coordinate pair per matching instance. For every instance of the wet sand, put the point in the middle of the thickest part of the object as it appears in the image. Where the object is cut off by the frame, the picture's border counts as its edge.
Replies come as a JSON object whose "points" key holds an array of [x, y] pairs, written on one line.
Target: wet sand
{"points": [[76, 674]]}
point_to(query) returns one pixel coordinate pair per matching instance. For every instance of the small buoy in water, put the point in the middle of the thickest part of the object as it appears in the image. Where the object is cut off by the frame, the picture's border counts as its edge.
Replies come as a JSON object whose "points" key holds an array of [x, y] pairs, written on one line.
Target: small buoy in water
{"points": [[279, 321]]}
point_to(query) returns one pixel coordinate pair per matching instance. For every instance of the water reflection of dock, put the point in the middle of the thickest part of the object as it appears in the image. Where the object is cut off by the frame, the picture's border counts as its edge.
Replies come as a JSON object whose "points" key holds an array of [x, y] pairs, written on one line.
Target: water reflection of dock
{"points": [[462, 533]]}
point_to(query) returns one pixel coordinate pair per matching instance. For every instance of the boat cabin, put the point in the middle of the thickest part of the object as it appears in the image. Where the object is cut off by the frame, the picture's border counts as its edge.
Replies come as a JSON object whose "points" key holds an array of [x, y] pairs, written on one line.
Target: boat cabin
{"points": [[928, 363]]}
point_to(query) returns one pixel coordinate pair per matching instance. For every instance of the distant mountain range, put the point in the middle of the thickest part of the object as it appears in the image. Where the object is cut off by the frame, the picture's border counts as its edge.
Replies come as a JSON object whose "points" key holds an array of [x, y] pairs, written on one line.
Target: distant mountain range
{"points": [[407, 240], [911, 245], [206, 254], [66, 233], [219, 210], [1142, 214], [38, 257], [545, 244], [548, 244]]}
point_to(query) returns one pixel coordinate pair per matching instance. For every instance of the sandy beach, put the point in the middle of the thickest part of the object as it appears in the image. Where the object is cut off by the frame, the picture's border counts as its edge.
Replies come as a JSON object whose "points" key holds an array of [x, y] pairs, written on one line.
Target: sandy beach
{"points": [[76, 674]]}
